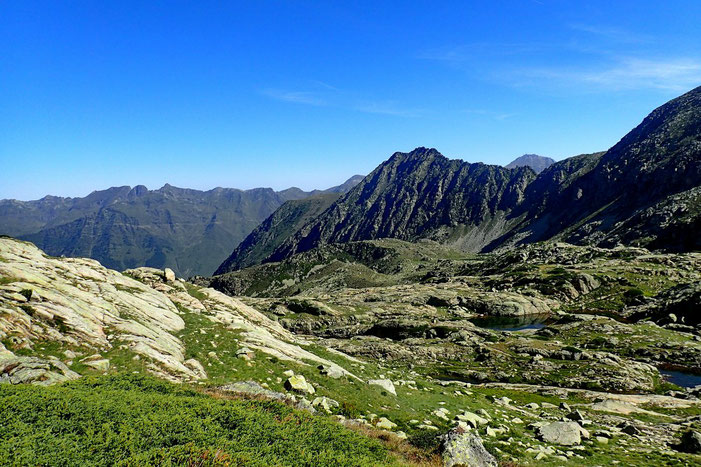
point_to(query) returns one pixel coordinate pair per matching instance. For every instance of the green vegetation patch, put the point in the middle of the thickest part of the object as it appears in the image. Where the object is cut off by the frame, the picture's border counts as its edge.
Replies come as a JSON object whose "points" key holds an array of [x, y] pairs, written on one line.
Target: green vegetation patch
{"points": [[138, 420]]}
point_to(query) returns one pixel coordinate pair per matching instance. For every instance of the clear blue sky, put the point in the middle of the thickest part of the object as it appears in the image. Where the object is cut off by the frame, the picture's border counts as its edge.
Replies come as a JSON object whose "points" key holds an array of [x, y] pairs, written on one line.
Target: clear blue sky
{"points": [[243, 94]]}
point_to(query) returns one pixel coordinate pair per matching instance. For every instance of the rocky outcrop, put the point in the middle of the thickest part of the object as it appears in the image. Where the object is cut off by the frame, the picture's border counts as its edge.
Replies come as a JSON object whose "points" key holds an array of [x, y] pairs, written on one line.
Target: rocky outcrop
{"points": [[506, 304], [678, 305], [23, 369], [564, 433], [385, 384], [77, 303], [464, 448]]}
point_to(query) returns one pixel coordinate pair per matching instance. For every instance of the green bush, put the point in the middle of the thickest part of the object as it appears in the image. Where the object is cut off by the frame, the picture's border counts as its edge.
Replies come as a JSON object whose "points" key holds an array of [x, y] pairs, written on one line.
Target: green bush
{"points": [[27, 293], [633, 296], [137, 420], [426, 440], [29, 309], [598, 342], [349, 410]]}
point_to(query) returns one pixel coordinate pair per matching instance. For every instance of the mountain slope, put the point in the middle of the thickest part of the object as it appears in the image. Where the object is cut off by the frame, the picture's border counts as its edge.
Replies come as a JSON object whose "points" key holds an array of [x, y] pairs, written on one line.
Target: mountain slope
{"points": [[414, 195], [658, 159], [534, 161], [282, 224], [78, 303]]}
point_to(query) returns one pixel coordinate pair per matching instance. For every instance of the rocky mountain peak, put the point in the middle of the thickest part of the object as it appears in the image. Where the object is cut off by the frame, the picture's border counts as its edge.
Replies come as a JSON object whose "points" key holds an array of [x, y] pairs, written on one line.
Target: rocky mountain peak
{"points": [[534, 161], [419, 153], [137, 191]]}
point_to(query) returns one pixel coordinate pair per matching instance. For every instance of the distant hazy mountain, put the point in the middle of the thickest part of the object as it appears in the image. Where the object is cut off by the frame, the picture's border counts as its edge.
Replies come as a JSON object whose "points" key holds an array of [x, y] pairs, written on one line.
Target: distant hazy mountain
{"points": [[283, 223], [190, 231], [534, 161], [347, 185], [643, 191]]}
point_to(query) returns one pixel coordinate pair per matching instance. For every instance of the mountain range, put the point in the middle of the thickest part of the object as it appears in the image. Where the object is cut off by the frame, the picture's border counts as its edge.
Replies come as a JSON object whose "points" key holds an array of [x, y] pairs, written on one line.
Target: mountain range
{"points": [[644, 191], [189, 231]]}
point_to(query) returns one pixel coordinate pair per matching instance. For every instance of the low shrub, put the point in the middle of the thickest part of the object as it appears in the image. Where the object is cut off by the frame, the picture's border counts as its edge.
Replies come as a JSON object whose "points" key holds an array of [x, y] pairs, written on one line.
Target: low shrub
{"points": [[137, 420]]}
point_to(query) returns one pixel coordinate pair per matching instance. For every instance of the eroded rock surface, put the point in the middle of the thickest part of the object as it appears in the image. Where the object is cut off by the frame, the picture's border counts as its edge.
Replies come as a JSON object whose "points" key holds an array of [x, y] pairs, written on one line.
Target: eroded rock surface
{"points": [[78, 303]]}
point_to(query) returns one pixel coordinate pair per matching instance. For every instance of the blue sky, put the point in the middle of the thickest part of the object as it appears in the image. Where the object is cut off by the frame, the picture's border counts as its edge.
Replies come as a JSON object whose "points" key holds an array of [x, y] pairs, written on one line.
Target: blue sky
{"points": [[245, 94]]}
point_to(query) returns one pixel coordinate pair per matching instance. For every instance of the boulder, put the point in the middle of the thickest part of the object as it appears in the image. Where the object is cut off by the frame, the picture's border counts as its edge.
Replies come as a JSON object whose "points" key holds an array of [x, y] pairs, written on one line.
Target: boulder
{"points": [[168, 275], [98, 364], [385, 424], [575, 416], [331, 371], [629, 429], [614, 406], [385, 384], [441, 412], [245, 353], [564, 433], [304, 404], [196, 368], [472, 419], [298, 383], [34, 370], [460, 447], [325, 403]]}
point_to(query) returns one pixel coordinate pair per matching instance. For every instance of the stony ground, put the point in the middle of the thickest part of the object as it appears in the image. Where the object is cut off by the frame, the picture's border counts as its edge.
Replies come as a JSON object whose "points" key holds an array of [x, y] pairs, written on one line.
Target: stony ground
{"points": [[399, 352]]}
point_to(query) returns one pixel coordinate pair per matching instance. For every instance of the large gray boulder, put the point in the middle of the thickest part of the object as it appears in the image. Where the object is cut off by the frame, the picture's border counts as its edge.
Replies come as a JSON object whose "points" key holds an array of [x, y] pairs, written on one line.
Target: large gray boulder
{"points": [[385, 384], [251, 388], [298, 383], [461, 447], [564, 433], [168, 275]]}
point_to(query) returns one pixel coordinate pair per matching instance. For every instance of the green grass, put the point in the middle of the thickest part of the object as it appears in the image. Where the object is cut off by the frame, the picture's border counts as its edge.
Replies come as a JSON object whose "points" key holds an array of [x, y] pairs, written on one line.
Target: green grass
{"points": [[8, 280], [195, 292], [137, 420]]}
